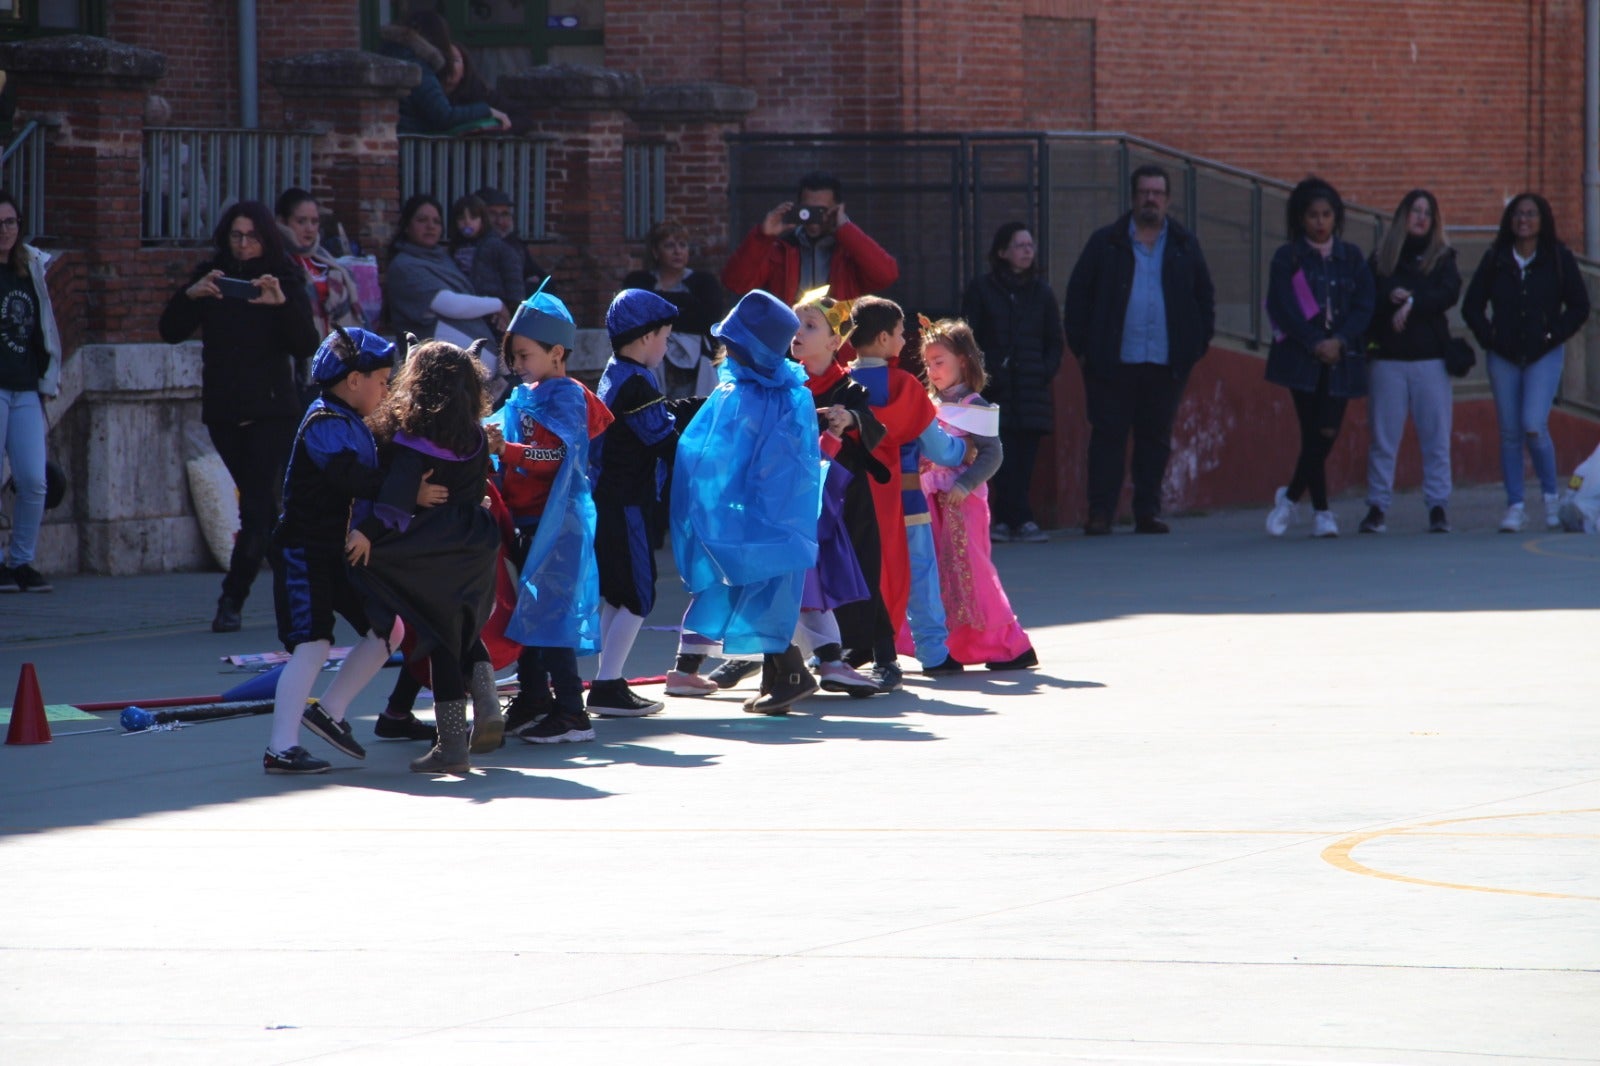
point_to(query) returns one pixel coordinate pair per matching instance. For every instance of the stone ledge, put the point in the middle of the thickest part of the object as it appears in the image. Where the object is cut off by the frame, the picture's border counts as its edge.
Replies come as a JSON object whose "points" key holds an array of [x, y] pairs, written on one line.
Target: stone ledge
{"points": [[694, 101], [141, 368], [85, 60], [572, 87], [343, 68]]}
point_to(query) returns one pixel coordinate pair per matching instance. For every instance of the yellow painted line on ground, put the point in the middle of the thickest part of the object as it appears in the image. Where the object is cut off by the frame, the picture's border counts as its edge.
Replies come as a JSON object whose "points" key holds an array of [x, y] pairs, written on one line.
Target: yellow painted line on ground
{"points": [[1339, 854], [1537, 547]]}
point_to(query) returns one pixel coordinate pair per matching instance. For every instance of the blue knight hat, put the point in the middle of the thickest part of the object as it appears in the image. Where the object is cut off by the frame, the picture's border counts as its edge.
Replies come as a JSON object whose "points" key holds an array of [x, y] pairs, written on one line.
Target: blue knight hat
{"points": [[760, 326], [345, 351], [544, 318], [635, 312]]}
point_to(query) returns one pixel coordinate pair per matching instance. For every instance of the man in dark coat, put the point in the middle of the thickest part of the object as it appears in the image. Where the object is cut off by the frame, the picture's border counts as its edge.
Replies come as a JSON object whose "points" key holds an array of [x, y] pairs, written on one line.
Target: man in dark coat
{"points": [[1140, 311]]}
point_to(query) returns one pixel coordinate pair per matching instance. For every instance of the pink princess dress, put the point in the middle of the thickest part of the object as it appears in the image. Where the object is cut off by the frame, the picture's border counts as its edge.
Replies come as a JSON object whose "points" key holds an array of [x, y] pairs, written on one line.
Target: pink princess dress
{"points": [[983, 628]]}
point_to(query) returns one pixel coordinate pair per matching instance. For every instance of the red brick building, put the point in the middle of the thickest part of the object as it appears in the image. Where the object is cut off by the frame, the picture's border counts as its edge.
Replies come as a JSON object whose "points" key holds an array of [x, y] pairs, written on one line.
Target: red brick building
{"points": [[1475, 99]]}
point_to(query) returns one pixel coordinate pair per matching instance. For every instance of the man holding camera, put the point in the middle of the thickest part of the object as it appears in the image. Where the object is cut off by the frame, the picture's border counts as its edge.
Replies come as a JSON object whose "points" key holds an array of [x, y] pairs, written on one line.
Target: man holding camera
{"points": [[807, 243]]}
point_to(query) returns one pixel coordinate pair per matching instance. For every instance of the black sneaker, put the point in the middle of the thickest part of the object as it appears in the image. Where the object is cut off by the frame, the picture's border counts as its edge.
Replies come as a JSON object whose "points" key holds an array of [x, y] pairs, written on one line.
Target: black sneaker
{"points": [[408, 728], [227, 618], [1438, 521], [614, 699], [1374, 522], [1026, 661], [886, 676], [296, 760], [732, 671], [338, 734], [30, 580], [526, 708], [949, 666], [8, 581], [559, 727]]}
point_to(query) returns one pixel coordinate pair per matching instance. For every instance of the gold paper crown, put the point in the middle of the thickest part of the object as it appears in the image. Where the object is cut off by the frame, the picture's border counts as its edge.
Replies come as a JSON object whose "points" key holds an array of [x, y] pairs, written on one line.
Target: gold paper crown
{"points": [[837, 312]]}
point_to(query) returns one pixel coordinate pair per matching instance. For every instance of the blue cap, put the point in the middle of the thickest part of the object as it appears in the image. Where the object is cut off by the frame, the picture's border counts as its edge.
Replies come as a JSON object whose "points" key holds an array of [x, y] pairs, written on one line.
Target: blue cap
{"points": [[761, 326], [635, 312], [544, 318], [345, 351]]}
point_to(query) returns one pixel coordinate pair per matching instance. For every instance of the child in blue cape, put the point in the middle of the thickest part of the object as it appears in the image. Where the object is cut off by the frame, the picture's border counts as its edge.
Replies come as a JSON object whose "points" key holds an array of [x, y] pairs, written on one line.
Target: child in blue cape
{"points": [[541, 437], [746, 493]]}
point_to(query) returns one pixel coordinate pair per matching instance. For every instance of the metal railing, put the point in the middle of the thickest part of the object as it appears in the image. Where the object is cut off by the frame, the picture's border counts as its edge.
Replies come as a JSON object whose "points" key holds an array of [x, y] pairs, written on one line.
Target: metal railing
{"points": [[935, 199], [190, 176], [451, 167], [644, 188], [22, 167]]}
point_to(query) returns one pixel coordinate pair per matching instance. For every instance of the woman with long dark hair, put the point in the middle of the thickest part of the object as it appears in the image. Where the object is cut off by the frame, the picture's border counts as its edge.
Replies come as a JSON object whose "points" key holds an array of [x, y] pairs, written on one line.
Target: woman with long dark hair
{"points": [[1319, 295], [248, 300], [1014, 315], [1525, 301], [30, 370], [1414, 271]]}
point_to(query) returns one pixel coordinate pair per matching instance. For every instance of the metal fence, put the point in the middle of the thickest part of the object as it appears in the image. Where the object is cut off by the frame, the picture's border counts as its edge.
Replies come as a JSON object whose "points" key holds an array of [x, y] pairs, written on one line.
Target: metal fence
{"points": [[451, 167], [935, 200], [190, 176], [22, 165]]}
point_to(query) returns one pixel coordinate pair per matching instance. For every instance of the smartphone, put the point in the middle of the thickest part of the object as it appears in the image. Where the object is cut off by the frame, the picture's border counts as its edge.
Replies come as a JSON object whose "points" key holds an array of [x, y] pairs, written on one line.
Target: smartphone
{"points": [[805, 214], [237, 289]]}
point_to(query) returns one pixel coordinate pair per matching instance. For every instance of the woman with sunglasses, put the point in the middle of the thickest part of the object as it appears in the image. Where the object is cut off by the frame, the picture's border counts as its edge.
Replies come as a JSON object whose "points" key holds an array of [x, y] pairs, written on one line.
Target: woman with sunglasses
{"points": [[249, 302]]}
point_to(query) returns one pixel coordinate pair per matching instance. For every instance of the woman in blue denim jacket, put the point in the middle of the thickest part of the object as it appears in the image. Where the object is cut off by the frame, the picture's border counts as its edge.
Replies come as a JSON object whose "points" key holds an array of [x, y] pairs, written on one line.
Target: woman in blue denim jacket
{"points": [[1320, 298]]}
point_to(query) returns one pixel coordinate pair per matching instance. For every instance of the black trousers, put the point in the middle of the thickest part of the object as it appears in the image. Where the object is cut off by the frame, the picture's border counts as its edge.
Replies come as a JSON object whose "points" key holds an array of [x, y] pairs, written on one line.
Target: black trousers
{"points": [[1320, 417], [255, 455], [1008, 489], [1138, 398]]}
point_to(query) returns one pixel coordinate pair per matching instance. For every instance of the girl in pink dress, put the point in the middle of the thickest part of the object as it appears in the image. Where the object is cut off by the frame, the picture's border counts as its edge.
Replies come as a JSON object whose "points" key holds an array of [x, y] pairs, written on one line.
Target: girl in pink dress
{"points": [[983, 628]]}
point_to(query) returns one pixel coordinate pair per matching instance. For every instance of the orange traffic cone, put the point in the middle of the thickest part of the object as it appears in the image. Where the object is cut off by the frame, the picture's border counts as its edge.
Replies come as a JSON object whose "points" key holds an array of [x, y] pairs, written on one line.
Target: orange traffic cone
{"points": [[28, 723]]}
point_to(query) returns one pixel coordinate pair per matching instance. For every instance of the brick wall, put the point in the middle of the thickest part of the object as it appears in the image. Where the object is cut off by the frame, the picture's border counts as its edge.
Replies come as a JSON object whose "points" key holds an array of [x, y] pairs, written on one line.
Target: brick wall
{"points": [[201, 42], [1476, 99]]}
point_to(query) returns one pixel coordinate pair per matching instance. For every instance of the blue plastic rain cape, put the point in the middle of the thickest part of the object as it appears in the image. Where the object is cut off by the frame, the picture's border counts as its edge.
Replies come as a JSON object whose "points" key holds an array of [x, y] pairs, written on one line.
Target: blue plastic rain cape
{"points": [[746, 493], [558, 594]]}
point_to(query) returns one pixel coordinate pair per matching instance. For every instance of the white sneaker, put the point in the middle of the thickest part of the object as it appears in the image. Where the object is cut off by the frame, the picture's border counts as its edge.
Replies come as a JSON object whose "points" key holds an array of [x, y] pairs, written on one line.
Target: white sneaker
{"points": [[1285, 512], [1552, 510], [1516, 517], [1324, 524]]}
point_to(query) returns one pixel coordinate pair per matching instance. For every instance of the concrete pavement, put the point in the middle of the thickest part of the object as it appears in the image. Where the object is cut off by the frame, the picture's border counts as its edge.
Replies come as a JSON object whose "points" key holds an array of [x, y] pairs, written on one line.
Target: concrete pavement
{"points": [[1265, 801]]}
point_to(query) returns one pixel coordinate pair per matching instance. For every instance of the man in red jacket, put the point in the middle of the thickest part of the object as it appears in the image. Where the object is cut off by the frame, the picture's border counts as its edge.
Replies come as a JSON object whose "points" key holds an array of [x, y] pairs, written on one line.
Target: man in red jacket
{"points": [[787, 255]]}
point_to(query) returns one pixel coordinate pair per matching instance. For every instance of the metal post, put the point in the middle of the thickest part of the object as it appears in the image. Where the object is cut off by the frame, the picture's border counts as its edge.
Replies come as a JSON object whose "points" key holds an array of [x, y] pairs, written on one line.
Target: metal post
{"points": [[249, 116], [1591, 130], [1255, 263]]}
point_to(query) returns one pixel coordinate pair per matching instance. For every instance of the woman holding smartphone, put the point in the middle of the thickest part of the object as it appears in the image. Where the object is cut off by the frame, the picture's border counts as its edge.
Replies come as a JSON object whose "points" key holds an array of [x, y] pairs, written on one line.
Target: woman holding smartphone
{"points": [[248, 300]]}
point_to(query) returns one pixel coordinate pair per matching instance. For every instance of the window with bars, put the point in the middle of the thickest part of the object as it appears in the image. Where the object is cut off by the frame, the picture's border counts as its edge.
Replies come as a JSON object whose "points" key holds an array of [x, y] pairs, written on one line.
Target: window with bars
{"points": [[644, 188]]}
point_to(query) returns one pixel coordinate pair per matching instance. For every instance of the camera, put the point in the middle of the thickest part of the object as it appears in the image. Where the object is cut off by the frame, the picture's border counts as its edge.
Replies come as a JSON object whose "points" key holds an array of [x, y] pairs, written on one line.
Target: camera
{"points": [[808, 214]]}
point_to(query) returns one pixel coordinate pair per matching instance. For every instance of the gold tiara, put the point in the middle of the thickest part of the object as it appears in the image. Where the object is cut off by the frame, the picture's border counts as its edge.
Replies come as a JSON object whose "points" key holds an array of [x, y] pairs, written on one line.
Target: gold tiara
{"points": [[837, 312]]}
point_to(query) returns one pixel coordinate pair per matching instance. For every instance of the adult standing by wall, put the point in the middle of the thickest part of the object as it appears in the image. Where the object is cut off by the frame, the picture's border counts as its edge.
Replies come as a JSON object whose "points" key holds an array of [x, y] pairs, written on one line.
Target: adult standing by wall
{"points": [[330, 289], [786, 255], [248, 399], [1416, 284], [1319, 296], [701, 303], [1140, 312], [424, 291], [1526, 299], [30, 371], [1014, 316]]}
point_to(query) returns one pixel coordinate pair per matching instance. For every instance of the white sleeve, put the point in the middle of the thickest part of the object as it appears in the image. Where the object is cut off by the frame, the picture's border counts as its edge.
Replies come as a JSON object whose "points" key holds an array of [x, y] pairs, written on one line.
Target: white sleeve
{"points": [[460, 305]]}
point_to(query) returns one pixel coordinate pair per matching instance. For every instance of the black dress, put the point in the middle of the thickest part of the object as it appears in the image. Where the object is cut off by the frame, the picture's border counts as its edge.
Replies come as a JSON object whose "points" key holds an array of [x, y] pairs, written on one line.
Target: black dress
{"points": [[434, 569]]}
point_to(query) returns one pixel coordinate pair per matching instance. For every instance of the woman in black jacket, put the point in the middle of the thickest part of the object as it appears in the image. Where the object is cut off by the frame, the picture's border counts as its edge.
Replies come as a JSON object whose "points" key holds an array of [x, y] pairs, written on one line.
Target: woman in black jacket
{"points": [[1319, 296], [1526, 298], [1414, 271], [1013, 314], [248, 398]]}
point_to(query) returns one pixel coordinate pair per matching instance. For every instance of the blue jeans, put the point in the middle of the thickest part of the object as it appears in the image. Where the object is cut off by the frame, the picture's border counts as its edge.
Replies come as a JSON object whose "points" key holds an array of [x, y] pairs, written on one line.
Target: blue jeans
{"points": [[1523, 396], [22, 431]]}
